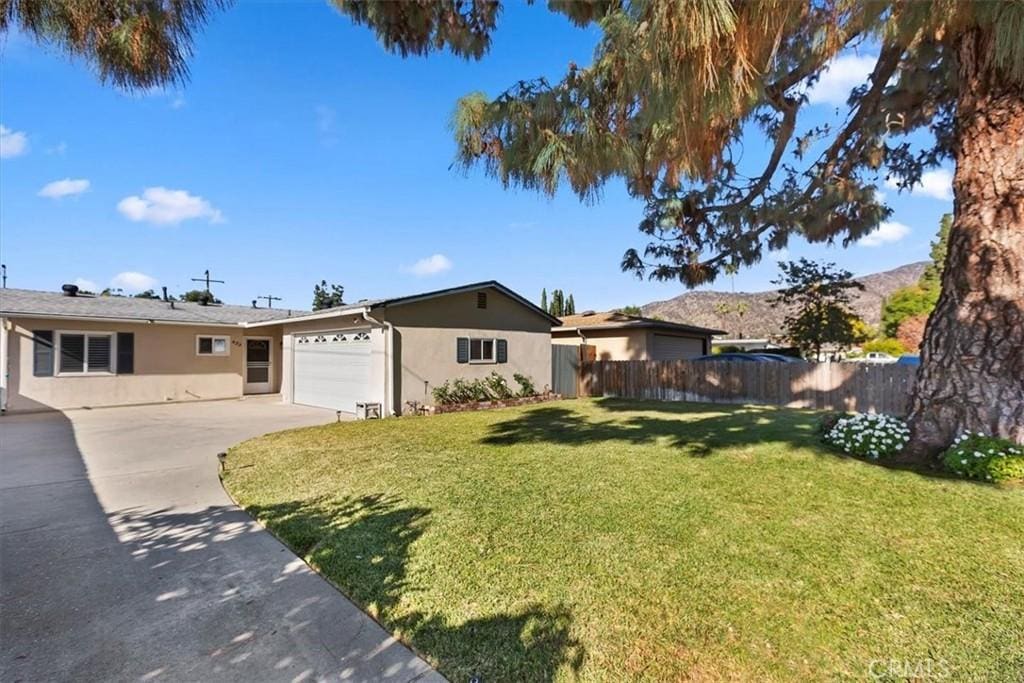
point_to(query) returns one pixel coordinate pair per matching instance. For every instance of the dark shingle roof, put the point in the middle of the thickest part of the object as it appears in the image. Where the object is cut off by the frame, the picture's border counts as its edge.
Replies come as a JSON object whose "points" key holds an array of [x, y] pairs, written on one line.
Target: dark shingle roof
{"points": [[27, 302]]}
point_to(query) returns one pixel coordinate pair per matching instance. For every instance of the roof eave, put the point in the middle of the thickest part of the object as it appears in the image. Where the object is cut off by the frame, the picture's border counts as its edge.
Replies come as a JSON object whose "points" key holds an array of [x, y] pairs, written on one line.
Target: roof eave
{"points": [[113, 319]]}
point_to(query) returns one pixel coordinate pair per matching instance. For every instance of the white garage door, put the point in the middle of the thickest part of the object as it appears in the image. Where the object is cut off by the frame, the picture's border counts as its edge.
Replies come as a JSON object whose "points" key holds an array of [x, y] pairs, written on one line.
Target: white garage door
{"points": [[668, 347], [332, 369]]}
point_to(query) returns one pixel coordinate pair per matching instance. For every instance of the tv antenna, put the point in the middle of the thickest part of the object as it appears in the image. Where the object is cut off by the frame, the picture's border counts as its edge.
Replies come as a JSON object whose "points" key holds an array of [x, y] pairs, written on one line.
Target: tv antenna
{"points": [[207, 279], [270, 299]]}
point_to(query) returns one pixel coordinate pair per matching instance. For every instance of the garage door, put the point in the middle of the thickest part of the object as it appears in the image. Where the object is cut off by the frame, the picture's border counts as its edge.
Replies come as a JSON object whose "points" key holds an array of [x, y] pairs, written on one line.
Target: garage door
{"points": [[332, 369], [668, 347]]}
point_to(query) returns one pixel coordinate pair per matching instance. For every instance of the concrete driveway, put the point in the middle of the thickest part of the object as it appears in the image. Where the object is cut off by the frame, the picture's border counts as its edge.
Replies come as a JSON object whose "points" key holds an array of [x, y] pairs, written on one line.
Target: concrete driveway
{"points": [[121, 558]]}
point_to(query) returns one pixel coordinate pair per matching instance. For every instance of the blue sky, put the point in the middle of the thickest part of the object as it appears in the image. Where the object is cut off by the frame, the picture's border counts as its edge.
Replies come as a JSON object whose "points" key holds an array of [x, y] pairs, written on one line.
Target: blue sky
{"points": [[300, 150]]}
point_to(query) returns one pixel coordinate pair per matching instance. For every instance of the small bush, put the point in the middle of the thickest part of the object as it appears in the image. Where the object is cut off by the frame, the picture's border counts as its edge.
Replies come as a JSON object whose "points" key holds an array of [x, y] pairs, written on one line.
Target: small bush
{"points": [[869, 435], [893, 347], [498, 386], [984, 457], [526, 387], [827, 421], [443, 394]]}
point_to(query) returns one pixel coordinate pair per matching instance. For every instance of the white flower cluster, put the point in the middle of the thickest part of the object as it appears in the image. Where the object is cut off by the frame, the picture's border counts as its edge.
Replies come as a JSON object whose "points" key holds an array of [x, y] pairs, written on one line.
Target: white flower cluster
{"points": [[869, 435], [970, 454]]}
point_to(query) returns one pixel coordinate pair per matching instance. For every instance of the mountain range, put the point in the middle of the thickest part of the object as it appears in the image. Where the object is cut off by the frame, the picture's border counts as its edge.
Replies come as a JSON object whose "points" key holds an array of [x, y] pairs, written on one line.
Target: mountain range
{"points": [[764, 319]]}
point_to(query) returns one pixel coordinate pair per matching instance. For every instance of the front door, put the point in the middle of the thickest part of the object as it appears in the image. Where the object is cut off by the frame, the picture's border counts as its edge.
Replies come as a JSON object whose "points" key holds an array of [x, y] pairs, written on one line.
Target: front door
{"points": [[258, 358]]}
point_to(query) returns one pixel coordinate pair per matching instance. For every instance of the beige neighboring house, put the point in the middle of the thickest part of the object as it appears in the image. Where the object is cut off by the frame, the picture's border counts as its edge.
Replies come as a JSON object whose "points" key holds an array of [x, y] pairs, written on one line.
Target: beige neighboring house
{"points": [[61, 351], [617, 336]]}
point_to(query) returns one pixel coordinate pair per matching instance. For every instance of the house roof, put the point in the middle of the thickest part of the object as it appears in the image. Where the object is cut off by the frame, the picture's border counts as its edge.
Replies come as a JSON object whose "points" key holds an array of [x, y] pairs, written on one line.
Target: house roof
{"points": [[371, 304], [612, 320], [32, 303]]}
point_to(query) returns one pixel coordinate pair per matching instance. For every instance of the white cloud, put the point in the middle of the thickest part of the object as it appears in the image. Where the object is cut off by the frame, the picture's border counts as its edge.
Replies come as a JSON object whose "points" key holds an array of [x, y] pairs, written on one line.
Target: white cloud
{"points": [[12, 143], [178, 102], [64, 188], [167, 207], [844, 74], [937, 184], [432, 265], [887, 232], [86, 285], [133, 282], [59, 149]]}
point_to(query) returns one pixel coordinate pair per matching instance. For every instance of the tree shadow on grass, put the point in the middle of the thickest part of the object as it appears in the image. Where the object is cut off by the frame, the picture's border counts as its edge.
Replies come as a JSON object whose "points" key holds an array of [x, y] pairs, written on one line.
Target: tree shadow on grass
{"points": [[697, 429], [698, 437], [363, 546]]}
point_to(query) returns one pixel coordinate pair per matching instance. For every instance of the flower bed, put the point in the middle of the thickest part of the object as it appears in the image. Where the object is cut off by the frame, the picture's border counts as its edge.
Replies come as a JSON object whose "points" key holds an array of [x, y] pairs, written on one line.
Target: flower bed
{"points": [[487, 405], [985, 457], [869, 435]]}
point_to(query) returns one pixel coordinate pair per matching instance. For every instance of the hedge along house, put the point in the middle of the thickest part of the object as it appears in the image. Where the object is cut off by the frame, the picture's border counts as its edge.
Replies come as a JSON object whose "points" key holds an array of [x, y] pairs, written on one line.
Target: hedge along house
{"points": [[61, 352], [617, 336]]}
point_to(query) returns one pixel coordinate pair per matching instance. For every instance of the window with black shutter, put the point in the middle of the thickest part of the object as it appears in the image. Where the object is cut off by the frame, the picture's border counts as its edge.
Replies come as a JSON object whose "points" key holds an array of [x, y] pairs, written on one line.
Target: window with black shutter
{"points": [[42, 353], [125, 353]]}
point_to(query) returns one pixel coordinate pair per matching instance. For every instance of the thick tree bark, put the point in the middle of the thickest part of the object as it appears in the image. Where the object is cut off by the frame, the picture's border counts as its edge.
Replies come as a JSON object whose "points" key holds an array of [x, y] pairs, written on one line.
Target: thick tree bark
{"points": [[972, 358]]}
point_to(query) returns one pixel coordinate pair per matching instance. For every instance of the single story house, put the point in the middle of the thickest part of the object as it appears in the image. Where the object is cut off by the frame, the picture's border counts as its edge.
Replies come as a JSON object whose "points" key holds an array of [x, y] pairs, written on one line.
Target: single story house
{"points": [[69, 350], [618, 336]]}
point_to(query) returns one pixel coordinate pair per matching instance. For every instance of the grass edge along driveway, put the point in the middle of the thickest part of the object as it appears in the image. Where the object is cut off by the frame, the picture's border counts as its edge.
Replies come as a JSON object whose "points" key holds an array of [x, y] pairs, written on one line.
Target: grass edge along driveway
{"points": [[608, 540]]}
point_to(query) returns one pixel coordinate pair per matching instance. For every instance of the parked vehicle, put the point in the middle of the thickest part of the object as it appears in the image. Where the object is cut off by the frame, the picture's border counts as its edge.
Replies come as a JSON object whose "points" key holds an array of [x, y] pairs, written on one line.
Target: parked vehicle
{"points": [[874, 357], [909, 359], [747, 357]]}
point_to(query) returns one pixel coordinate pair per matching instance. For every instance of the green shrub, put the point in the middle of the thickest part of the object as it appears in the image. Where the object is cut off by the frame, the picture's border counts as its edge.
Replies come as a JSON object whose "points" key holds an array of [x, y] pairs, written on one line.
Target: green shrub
{"points": [[498, 386], [828, 421], [526, 387], [869, 435], [443, 394], [984, 457], [884, 345]]}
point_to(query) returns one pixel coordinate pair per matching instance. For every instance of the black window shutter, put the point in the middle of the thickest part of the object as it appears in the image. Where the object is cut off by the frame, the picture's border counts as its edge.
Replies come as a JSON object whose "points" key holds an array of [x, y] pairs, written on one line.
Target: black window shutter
{"points": [[42, 353], [502, 352], [125, 353], [462, 350]]}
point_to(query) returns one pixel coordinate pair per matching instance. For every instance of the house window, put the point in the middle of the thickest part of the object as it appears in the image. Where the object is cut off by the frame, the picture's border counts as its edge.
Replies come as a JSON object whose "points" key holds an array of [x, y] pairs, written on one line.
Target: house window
{"points": [[81, 353], [212, 345], [481, 351]]}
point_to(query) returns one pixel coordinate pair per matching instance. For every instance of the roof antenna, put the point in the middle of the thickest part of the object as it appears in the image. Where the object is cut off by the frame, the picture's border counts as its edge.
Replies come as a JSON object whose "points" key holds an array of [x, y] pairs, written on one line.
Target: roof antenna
{"points": [[206, 278], [270, 299], [3, 270]]}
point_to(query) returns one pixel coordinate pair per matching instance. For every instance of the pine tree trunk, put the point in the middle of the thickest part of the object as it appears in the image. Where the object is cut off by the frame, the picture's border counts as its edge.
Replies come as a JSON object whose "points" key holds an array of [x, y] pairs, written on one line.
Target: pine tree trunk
{"points": [[972, 359]]}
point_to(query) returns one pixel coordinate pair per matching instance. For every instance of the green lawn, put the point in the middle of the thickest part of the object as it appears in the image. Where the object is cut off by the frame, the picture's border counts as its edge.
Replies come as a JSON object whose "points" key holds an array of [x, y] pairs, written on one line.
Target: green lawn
{"points": [[614, 540]]}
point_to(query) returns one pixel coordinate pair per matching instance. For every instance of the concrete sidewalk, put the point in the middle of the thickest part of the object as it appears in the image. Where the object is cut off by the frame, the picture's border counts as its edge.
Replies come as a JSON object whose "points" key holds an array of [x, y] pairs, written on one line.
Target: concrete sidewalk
{"points": [[121, 558]]}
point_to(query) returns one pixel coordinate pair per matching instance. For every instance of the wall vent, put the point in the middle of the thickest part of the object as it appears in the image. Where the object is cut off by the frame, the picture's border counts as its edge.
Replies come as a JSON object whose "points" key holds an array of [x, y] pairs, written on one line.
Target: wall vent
{"points": [[481, 299]]}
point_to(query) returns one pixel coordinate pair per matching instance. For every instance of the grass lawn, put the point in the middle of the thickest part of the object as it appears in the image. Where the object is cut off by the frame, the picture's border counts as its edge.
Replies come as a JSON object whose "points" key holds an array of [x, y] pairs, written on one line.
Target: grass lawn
{"points": [[615, 540]]}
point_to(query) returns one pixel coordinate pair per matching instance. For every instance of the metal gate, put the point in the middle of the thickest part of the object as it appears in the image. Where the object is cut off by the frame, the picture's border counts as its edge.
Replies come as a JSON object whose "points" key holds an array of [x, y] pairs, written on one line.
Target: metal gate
{"points": [[565, 369]]}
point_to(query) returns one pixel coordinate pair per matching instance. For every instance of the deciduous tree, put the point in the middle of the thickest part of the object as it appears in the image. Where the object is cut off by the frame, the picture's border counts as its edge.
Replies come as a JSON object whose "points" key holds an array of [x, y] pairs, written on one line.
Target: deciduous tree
{"points": [[327, 296], [817, 297]]}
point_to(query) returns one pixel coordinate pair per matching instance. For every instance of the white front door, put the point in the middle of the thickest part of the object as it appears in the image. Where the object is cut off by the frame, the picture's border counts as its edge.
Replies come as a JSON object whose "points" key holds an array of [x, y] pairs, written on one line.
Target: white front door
{"points": [[259, 354]]}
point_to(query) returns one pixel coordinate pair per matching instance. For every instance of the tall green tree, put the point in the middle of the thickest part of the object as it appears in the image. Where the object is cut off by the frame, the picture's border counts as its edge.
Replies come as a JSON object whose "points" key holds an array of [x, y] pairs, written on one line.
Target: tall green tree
{"points": [[327, 296], [544, 298], [664, 106], [817, 298], [919, 299], [570, 306]]}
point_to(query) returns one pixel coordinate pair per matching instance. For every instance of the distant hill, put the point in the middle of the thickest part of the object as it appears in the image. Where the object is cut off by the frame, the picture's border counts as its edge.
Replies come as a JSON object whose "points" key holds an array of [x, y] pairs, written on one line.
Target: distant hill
{"points": [[764, 320]]}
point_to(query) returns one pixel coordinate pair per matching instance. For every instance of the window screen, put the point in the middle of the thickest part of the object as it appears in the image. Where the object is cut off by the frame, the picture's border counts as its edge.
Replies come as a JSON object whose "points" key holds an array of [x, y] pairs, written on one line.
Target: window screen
{"points": [[72, 353]]}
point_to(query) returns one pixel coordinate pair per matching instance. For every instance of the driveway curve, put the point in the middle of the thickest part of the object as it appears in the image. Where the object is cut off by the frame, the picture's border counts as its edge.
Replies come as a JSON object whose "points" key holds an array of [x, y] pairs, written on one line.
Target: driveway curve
{"points": [[121, 558]]}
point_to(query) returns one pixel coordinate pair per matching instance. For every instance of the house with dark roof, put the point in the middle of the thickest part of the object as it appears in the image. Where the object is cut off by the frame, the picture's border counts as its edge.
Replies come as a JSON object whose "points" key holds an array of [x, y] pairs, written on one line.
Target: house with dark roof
{"points": [[64, 350], [618, 336]]}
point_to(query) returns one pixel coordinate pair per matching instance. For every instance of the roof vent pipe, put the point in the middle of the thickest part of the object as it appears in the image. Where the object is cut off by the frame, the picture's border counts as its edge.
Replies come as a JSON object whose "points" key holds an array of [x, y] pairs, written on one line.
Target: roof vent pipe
{"points": [[254, 303], [165, 293], [70, 290]]}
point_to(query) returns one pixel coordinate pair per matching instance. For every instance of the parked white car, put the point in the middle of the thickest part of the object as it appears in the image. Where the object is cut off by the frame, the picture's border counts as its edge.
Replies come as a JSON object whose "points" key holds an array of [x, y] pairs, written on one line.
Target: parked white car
{"points": [[877, 357]]}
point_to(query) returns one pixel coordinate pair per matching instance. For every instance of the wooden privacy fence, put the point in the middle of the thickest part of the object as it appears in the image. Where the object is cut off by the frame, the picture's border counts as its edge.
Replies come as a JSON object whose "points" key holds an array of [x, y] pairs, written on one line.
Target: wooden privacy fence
{"points": [[565, 366], [826, 386]]}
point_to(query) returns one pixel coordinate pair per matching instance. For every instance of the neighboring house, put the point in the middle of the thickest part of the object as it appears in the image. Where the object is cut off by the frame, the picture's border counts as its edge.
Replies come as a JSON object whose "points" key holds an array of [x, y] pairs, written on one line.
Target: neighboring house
{"points": [[618, 336], [61, 351]]}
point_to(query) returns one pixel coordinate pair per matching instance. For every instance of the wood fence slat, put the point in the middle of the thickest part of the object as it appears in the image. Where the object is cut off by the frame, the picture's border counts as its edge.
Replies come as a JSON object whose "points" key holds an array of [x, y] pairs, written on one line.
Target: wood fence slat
{"points": [[825, 386]]}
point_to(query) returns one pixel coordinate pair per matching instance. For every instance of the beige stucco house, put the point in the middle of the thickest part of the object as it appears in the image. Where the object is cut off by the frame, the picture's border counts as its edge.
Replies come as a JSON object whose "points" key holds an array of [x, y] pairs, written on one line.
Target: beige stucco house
{"points": [[60, 351], [617, 336]]}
